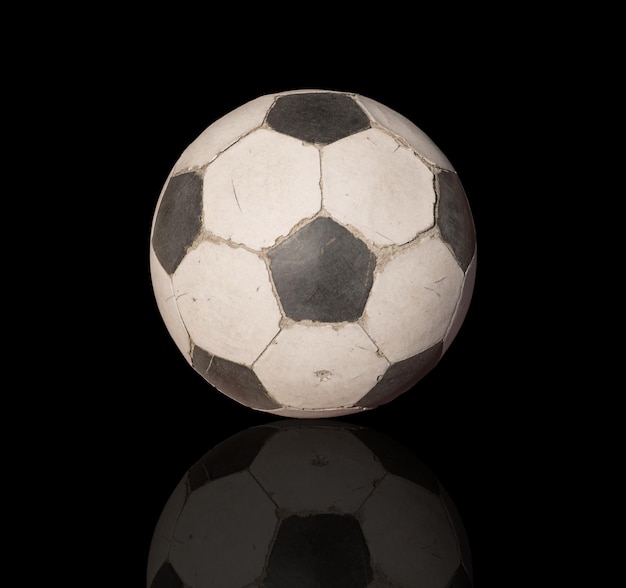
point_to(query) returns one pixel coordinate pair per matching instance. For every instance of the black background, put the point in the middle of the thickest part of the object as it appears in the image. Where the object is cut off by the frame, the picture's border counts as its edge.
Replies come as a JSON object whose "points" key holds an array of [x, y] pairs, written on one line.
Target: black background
{"points": [[134, 416]]}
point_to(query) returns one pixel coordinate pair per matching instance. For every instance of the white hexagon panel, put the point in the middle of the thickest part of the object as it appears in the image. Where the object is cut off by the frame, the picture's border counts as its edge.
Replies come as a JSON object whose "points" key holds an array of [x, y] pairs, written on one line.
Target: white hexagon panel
{"points": [[257, 190], [313, 254]]}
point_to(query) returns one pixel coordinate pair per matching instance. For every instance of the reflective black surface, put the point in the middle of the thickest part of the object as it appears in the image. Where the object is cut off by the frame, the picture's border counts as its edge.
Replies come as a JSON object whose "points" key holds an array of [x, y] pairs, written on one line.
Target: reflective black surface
{"points": [[309, 503]]}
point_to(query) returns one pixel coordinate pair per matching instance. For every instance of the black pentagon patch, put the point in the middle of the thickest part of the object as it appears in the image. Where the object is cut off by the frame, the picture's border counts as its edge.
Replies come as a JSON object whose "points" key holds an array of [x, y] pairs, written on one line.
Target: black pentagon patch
{"points": [[322, 273], [454, 218], [398, 460], [232, 379], [401, 376], [320, 550], [318, 117], [229, 457], [167, 577], [178, 221]]}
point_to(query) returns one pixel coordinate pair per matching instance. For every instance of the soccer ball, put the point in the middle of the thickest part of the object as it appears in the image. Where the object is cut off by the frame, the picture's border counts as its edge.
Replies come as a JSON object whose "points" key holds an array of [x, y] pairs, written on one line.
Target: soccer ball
{"points": [[312, 503], [313, 254]]}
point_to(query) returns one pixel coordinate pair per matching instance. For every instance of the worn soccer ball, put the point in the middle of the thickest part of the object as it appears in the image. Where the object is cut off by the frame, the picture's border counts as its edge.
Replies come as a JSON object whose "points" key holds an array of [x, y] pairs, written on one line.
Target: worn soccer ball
{"points": [[302, 504], [313, 254]]}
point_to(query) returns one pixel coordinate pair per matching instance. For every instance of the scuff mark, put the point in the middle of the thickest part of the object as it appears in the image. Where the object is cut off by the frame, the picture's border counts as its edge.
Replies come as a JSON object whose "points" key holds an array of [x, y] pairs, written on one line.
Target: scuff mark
{"points": [[323, 375], [384, 236], [235, 194], [210, 364]]}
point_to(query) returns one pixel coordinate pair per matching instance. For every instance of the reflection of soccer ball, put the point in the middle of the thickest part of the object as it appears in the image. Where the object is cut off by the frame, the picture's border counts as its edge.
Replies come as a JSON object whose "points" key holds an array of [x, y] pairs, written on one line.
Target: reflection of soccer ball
{"points": [[306, 504], [313, 254]]}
